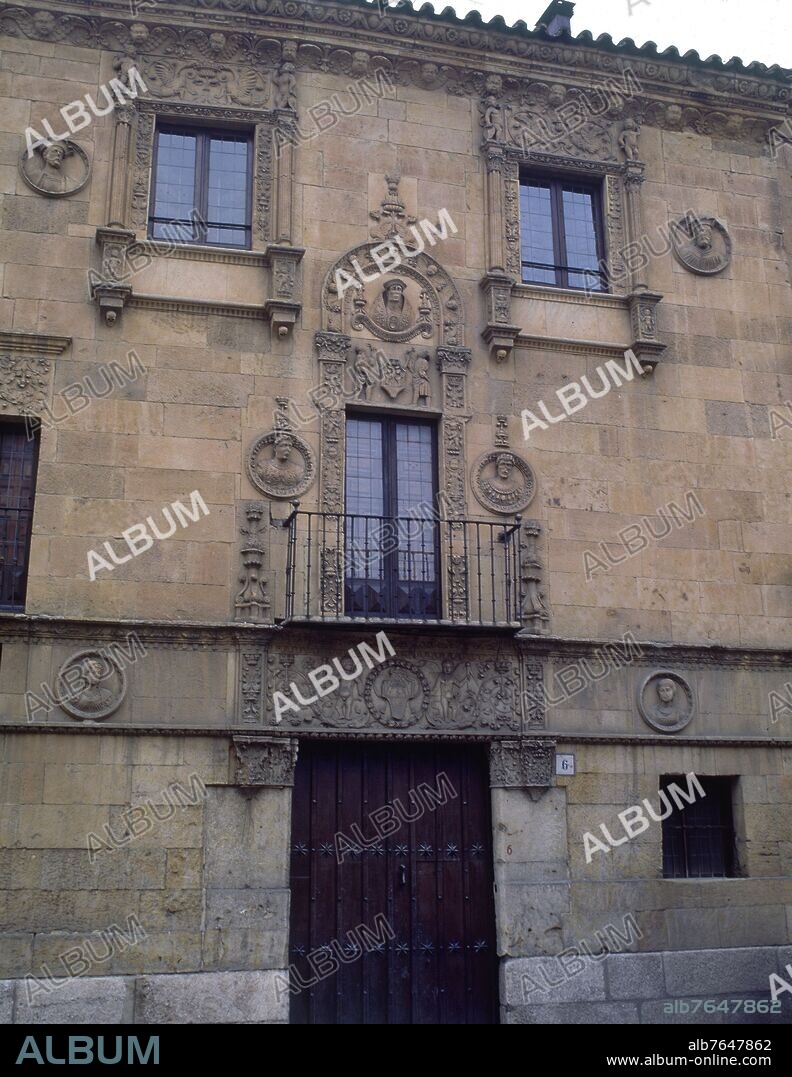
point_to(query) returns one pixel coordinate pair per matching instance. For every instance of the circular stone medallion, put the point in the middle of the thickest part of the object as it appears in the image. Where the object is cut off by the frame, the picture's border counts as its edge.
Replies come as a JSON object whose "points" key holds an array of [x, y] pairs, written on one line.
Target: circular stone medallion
{"points": [[665, 701], [90, 685], [503, 482], [281, 465]]}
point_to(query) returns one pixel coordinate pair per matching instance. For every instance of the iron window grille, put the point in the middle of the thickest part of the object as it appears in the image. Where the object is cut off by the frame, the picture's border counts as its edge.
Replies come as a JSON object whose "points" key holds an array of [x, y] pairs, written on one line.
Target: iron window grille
{"points": [[698, 838]]}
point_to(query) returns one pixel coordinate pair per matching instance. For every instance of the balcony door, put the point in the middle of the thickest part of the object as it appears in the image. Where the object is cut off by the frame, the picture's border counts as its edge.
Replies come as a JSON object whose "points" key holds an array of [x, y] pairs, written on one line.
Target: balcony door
{"points": [[392, 548]]}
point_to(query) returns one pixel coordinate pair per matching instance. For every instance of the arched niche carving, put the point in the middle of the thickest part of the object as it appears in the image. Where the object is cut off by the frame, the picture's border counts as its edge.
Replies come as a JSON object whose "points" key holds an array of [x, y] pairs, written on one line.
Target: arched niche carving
{"points": [[429, 308]]}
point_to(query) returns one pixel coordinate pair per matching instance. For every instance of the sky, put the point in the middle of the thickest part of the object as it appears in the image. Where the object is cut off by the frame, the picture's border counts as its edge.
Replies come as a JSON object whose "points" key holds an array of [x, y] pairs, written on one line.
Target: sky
{"points": [[751, 29]]}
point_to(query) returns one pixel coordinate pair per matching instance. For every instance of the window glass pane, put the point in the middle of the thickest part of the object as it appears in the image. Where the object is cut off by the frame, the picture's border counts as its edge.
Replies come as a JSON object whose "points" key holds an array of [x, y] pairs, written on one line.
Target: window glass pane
{"points": [[228, 185], [175, 183], [365, 492], [581, 237], [414, 501], [536, 233], [17, 488]]}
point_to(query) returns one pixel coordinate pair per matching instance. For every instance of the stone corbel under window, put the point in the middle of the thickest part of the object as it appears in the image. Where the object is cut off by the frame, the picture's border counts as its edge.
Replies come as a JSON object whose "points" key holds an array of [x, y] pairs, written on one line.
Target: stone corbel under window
{"points": [[282, 310], [499, 332], [108, 288], [522, 764], [643, 319]]}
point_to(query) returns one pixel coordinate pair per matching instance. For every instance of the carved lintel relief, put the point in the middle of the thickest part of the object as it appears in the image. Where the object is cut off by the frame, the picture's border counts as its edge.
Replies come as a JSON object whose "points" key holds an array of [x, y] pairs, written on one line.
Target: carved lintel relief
{"points": [[534, 610], [252, 602], [440, 692], [522, 764], [332, 350], [260, 762]]}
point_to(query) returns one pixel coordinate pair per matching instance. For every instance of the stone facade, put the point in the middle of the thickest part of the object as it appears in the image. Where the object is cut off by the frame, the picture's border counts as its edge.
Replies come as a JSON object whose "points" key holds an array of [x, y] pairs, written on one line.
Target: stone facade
{"points": [[364, 124]]}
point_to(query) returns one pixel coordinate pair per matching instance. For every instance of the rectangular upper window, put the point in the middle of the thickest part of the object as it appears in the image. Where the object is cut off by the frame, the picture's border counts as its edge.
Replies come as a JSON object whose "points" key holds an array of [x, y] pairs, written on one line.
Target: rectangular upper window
{"points": [[699, 838], [18, 463], [561, 234], [393, 543], [202, 187]]}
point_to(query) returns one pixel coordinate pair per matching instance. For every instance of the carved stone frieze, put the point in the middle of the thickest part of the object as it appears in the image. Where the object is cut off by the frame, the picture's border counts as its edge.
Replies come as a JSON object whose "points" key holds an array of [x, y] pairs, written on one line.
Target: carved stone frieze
{"points": [[525, 763], [706, 91], [441, 693], [216, 84], [264, 761]]}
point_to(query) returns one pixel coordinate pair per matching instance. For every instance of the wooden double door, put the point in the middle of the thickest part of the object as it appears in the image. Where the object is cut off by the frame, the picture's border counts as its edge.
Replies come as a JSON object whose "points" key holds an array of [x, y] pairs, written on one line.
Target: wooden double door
{"points": [[392, 918]]}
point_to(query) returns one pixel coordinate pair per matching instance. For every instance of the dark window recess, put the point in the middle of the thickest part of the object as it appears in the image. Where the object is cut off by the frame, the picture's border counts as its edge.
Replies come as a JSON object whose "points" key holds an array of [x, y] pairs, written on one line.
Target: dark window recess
{"points": [[202, 187], [698, 838], [561, 234], [391, 540], [18, 462]]}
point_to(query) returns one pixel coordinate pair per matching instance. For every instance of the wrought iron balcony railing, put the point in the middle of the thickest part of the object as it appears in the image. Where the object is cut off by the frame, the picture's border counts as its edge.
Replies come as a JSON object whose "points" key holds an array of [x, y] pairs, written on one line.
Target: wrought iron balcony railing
{"points": [[380, 569]]}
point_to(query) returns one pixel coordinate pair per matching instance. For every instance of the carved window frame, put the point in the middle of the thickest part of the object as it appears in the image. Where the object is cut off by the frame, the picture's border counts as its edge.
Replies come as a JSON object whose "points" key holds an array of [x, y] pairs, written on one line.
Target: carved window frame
{"points": [[611, 176], [260, 122]]}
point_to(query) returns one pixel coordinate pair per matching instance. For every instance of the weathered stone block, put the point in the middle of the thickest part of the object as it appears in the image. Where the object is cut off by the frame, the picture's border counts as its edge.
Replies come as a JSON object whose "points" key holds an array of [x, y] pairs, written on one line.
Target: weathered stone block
{"points": [[635, 976], [210, 998], [706, 971], [519, 978], [81, 1001]]}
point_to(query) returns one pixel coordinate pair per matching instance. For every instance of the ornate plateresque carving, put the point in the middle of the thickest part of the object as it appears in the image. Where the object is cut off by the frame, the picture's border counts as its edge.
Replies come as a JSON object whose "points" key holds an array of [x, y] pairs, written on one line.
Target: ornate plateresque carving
{"points": [[503, 482], [251, 686], [332, 350], [264, 761], [525, 763], [534, 611], [252, 602], [438, 694], [280, 463], [24, 383], [701, 244]]}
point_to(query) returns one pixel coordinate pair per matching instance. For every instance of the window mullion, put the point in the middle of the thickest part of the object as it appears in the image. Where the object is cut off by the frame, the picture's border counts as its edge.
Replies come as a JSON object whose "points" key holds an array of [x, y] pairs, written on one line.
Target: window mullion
{"points": [[559, 235]]}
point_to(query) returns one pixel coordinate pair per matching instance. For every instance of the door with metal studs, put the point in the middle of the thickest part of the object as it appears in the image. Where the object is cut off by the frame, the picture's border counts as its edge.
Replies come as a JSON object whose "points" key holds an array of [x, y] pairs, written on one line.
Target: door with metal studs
{"points": [[392, 918]]}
